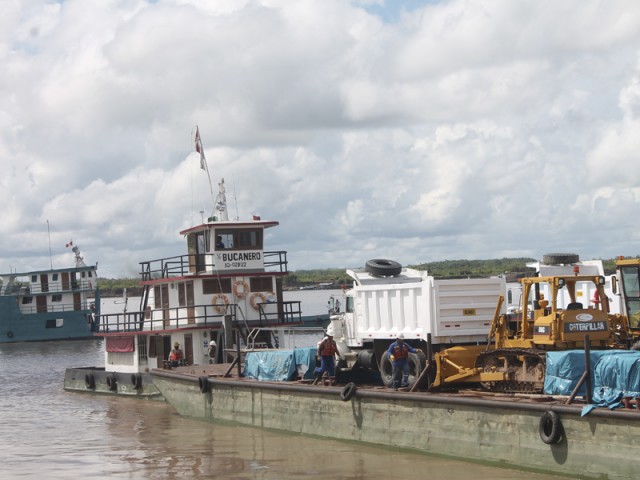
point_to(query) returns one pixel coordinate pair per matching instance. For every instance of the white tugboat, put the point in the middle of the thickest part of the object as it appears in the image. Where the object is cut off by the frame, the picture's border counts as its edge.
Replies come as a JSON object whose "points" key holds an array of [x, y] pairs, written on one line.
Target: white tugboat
{"points": [[226, 289]]}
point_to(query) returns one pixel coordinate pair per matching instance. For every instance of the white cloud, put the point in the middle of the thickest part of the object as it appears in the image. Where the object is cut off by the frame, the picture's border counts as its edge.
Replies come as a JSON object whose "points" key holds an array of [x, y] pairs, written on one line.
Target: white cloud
{"points": [[450, 129]]}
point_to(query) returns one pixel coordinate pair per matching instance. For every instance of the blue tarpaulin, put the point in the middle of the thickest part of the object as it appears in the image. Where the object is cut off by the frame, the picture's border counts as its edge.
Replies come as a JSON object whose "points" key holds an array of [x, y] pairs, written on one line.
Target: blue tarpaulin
{"points": [[565, 368], [614, 374], [280, 365]]}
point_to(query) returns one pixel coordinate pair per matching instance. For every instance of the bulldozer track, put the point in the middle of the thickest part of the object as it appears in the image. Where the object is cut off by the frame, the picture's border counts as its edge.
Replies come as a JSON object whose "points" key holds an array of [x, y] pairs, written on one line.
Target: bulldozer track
{"points": [[524, 368]]}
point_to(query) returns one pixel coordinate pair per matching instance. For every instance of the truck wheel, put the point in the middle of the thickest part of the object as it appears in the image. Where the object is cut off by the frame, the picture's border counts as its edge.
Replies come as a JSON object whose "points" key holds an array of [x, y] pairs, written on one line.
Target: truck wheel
{"points": [[416, 365], [383, 268], [386, 370], [560, 258]]}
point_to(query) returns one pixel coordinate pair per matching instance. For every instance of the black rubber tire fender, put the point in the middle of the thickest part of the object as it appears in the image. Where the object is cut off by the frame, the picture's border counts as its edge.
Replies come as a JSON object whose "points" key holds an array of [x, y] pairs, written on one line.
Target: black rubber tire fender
{"points": [[9, 334], [560, 258], [348, 391], [380, 267], [112, 382], [386, 370], [136, 381], [90, 381], [550, 428], [203, 383]]}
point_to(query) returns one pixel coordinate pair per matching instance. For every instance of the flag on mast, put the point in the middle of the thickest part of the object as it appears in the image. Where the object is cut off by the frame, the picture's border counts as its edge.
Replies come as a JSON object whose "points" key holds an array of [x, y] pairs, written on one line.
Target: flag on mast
{"points": [[203, 161], [200, 150]]}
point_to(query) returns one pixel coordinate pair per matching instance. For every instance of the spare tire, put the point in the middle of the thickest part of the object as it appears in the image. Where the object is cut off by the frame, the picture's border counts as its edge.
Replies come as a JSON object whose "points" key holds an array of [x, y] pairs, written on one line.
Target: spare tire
{"points": [[380, 267], [386, 370], [560, 258]]}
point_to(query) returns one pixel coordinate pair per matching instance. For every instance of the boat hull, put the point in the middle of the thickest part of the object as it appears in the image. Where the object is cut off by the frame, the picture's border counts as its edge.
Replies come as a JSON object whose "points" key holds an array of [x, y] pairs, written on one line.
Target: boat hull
{"points": [[98, 380], [18, 327], [500, 432]]}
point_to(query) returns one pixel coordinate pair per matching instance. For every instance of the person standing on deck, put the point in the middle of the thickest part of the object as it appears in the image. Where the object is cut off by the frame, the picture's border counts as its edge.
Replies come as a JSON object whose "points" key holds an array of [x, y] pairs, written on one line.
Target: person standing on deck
{"points": [[399, 355], [175, 356], [212, 352], [327, 349]]}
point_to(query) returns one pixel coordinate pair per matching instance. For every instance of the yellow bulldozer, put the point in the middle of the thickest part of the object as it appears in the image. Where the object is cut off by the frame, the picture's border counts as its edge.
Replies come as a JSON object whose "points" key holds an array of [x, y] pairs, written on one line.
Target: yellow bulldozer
{"points": [[551, 317]]}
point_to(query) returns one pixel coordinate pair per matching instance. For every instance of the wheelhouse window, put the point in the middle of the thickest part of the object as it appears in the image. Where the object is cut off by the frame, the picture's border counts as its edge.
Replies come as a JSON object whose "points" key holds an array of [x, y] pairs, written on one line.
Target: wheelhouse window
{"points": [[216, 285], [239, 239], [260, 284], [27, 300], [56, 298]]}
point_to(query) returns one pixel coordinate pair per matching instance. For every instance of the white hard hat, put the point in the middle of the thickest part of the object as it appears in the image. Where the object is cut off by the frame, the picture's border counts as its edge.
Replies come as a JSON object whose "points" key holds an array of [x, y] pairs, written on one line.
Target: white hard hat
{"points": [[330, 331], [401, 336], [212, 343]]}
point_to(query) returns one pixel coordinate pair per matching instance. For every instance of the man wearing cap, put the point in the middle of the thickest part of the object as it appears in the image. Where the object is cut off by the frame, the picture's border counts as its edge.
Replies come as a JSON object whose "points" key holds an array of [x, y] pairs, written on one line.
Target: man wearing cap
{"points": [[399, 356], [327, 349], [175, 356], [212, 352]]}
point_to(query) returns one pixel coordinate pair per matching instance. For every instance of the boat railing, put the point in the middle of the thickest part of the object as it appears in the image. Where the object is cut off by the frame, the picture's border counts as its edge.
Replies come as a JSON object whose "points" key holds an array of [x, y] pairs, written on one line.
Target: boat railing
{"points": [[165, 319], [183, 265], [285, 337], [32, 308], [291, 312], [50, 288]]}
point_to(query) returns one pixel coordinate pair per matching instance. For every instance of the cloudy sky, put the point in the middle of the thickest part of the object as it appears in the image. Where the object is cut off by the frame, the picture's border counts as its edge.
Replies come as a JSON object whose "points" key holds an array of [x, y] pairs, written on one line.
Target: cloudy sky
{"points": [[417, 131]]}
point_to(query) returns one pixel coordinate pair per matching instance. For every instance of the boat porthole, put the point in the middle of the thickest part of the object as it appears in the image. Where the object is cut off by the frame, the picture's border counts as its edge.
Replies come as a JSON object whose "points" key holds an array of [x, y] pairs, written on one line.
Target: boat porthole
{"points": [[550, 427], [348, 391], [90, 381], [10, 334], [203, 383], [112, 383]]}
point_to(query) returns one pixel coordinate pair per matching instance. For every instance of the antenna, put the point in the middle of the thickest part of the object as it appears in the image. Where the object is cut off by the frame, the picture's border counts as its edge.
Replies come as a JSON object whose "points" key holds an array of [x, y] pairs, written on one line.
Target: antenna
{"points": [[49, 234], [235, 198]]}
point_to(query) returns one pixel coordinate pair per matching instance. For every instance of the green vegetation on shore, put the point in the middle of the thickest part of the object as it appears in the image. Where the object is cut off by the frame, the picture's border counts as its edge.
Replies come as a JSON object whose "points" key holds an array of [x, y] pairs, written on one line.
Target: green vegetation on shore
{"points": [[337, 277]]}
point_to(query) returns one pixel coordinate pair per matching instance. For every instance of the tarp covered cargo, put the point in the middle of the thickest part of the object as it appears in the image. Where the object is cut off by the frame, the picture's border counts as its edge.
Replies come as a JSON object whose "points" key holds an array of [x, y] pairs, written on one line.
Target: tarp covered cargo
{"points": [[280, 365], [565, 368]]}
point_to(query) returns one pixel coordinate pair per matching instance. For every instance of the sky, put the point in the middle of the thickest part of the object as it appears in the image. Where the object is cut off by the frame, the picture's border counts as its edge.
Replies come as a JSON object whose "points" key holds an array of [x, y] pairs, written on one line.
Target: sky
{"points": [[414, 131]]}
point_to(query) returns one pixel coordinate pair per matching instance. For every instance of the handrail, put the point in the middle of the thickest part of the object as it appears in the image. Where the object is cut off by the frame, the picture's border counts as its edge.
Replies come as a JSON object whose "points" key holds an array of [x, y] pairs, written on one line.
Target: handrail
{"points": [[182, 265]]}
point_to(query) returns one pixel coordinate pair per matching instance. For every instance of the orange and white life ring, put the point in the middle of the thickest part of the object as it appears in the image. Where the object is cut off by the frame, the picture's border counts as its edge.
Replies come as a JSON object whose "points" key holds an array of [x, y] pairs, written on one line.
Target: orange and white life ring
{"points": [[220, 307], [258, 295], [240, 288]]}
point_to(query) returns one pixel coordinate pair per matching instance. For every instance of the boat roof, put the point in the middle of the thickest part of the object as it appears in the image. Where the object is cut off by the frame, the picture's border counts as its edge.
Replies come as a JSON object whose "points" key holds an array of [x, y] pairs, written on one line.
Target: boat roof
{"points": [[50, 270], [231, 224]]}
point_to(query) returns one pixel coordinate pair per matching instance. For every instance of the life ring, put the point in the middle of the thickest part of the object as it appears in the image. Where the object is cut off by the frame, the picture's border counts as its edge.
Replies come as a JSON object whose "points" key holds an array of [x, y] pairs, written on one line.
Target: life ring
{"points": [[136, 381], [220, 307], [348, 391], [112, 382], [550, 427], [90, 381], [203, 383], [255, 297], [240, 288], [9, 334]]}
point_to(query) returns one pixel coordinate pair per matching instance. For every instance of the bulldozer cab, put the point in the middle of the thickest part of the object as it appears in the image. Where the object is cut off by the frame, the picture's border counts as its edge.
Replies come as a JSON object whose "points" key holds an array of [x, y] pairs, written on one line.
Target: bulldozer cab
{"points": [[628, 274], [554, 315]]}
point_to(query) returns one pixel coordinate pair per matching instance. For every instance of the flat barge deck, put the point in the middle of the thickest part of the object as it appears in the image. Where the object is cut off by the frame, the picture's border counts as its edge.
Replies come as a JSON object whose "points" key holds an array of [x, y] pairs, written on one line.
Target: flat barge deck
{"points": [[503, 430]]}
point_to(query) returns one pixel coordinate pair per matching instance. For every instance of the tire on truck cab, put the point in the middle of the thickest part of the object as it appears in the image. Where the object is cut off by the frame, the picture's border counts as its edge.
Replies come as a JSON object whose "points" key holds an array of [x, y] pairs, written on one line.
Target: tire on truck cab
{"points": [[560, 258], [380, 267]]}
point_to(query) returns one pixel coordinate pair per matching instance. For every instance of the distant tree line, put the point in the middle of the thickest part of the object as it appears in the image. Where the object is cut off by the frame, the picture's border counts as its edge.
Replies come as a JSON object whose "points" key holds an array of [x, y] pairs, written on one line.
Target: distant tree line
{"points": [[513, 268]]}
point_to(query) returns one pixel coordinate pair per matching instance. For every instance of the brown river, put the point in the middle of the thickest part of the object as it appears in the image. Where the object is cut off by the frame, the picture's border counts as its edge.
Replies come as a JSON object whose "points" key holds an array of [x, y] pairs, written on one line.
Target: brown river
{"points": [[49, 433]]}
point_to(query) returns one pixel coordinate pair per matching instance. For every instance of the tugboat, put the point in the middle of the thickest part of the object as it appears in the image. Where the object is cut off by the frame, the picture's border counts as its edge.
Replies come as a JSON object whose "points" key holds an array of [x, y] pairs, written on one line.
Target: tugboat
{"points": [[225, 292], [54, 304]]}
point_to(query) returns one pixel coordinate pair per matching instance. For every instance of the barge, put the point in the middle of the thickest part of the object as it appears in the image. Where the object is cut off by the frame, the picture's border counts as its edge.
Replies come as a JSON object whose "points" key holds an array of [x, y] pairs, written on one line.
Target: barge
{"points": [[534, 432]]}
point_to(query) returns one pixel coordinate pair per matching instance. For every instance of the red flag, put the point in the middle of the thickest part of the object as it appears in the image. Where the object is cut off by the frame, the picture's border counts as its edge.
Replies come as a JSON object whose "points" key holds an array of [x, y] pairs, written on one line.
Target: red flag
{"points": [[200, 150]]}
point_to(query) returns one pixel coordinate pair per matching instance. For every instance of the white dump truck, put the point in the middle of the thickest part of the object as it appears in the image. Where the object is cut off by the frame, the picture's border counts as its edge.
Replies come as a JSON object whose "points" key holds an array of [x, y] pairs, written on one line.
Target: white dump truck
{"points": [[387, 300]]}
